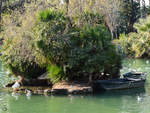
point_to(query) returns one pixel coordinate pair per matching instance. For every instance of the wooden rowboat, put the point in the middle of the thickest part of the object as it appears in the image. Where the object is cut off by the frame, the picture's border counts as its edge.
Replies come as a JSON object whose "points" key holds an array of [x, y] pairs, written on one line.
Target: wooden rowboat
{"points": [[127, 82]]}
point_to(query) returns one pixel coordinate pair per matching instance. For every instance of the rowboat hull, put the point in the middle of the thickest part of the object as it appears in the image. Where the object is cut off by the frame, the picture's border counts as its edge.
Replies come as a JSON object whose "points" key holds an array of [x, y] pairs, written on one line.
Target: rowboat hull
{"points": [[117, 84]]}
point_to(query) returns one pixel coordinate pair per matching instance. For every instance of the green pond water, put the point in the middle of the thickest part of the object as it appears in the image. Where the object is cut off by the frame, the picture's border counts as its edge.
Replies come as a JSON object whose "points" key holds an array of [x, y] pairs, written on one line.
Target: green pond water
{"points": [[123, 101]]}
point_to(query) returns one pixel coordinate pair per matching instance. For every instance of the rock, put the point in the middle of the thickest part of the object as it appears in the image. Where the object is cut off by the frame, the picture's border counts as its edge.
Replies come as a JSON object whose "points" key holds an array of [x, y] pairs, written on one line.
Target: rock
{"points": [[75, 91], [10, 84], [47, 91], [35, 92], [84, 90], [34, 82], [21, 89], [88, 90], [72, 88], [43, 76], [28, 90], [40, 91], [62, 88], [59, 91]]}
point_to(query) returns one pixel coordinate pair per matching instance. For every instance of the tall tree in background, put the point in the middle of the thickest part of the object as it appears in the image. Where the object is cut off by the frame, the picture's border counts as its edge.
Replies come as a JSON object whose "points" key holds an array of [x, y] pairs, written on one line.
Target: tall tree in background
{"points": [[143, 9], [111, 11], [130, 14], [0, 10]]}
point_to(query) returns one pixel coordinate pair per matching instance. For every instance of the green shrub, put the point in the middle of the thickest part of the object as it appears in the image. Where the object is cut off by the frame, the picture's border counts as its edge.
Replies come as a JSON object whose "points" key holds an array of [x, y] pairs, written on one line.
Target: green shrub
{"points": [[20, 58], [19, 53], [80, 50], [55, 73], [90, 18], [50, 14], [70, 48], [93, 54], [137, 44]]}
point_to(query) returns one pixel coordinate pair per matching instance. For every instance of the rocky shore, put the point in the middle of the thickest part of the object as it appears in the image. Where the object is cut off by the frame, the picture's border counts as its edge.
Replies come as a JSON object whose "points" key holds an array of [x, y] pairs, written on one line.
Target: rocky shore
{"points": [[63, 88]]}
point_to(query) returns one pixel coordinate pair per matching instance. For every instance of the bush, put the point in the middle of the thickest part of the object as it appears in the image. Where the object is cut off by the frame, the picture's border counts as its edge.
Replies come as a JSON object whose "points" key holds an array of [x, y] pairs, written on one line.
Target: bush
{"points": [[90, 18], [20, 58], [70, 48], [50, 14], [93, 54], [55, 73], [78, 50], [18, 50], [137, 44]]}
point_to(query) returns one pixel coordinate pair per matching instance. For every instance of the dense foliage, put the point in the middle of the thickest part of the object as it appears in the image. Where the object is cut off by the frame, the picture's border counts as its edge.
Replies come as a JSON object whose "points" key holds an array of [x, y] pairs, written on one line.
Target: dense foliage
{"points": [[18, 51], [130, 14], [18, 56], [137, 44], [77, 51], [72, 39]]}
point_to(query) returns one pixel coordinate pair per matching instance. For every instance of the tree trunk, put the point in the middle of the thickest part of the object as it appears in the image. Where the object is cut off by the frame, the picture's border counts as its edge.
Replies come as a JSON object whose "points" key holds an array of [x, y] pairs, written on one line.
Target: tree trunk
{"points": [[90, 79], [0, 10], [132, 17], [67, 7], [112, 34], [144, 9], [116, 35], [139, 1]]}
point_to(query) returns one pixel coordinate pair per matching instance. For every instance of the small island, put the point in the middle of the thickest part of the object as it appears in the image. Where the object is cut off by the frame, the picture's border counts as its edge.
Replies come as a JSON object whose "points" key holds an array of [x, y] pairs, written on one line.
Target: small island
{"points": [[74, 56], [52, 48]]}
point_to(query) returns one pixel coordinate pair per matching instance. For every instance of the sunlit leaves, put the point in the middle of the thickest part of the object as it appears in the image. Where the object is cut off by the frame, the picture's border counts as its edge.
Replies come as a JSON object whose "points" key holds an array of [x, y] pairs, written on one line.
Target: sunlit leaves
{"points": [[137, 44], [83, 49]]}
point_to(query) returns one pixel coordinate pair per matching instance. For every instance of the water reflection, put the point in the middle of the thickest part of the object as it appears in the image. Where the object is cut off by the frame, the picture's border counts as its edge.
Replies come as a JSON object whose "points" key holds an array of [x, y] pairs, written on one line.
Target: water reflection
{"points": [[15, 95], [125, 101], [3, 103], [121, 101], [141, 65]]}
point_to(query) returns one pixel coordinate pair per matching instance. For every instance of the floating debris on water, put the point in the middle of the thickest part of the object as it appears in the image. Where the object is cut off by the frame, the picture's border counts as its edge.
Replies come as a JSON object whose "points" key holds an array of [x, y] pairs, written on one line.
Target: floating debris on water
{"points": [[147, 61]]}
